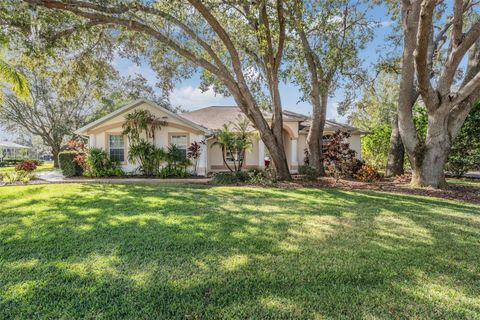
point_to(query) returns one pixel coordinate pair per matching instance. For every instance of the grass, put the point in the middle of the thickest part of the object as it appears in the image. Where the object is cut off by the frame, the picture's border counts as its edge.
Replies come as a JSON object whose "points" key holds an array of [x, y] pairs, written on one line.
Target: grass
{"points": [[47, 166], [465, 181], [197, 252]]}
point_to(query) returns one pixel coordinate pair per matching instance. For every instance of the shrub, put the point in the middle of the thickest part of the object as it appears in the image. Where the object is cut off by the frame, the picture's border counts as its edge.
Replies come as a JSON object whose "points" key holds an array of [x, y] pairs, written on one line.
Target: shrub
{"points": [[339, 159], [10, 177], [309, 173], [253, 176], [68, 165], [26, 165], [367, 173], [230, 177], [97, 164]]}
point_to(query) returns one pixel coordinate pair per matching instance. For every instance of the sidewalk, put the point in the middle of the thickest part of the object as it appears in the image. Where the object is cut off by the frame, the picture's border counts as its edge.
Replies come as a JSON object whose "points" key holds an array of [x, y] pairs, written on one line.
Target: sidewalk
{"points": [[57, 177]]}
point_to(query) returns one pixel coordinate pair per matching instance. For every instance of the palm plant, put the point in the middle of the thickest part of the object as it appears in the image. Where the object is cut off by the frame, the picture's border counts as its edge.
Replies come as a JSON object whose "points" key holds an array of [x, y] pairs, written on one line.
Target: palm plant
{"points": [[11, 77], [235, 143], [141, 121]]}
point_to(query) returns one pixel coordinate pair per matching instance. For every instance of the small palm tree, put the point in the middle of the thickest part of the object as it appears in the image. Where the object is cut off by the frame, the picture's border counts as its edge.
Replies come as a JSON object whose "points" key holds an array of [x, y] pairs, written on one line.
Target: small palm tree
{"points": [[141, 121], [235, 143]]}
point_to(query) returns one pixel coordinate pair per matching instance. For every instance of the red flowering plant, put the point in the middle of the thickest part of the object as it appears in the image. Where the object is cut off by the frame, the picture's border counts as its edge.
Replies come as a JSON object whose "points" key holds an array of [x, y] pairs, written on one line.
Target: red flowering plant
{"points": [[26, 165]]}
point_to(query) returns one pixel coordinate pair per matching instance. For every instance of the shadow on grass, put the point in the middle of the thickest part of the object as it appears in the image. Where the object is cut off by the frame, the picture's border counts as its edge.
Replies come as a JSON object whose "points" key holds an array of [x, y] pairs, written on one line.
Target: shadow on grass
{"points": [[133, 251]]}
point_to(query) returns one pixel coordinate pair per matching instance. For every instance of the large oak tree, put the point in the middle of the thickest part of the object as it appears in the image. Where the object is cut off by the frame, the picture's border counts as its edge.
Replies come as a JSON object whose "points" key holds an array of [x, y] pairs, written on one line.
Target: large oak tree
{"points": [[434, 46]]}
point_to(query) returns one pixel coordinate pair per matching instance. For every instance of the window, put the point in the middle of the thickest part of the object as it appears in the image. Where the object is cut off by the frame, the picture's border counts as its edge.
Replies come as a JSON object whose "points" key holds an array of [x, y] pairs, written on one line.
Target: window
{"points": [[180, 140], [116, 146]]}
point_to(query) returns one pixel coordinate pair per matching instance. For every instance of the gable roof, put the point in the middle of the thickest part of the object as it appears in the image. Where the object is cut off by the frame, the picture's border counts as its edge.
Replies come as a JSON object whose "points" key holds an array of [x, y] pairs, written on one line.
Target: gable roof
{"points": [[131, 105], [12, 145], [215, 117]]}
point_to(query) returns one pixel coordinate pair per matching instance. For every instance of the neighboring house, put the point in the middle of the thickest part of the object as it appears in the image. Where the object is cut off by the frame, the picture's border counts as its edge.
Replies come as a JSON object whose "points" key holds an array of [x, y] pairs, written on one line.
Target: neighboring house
{"points": [[198, 125], [12, 150]]}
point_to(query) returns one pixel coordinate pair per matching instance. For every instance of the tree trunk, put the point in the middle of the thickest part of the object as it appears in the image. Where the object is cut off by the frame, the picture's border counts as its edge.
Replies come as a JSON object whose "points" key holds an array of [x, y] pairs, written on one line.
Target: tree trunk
{"points": [[396, 153], [55, 153], [429, 162], [277, 153], [315, 134]]}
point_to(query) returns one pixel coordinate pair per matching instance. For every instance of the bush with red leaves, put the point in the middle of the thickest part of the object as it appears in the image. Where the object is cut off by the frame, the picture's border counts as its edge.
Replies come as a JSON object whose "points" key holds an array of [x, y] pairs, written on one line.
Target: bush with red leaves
{"points": [[367, 173], [26, 165]]}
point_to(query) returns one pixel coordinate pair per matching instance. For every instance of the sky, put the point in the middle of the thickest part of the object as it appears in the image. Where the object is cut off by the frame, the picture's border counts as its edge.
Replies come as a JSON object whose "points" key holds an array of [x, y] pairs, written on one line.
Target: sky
{"points": [[188, 95]]}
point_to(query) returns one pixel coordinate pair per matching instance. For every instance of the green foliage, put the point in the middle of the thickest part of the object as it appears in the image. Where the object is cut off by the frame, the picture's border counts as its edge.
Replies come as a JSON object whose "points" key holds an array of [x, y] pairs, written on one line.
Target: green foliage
{"points": [[309, 173], [68, 165], [234, 143], [141, 121], [147, 156], [14, 176], [251, 176], [176, 163], [375, 146], [99, 165], [465, 152]]}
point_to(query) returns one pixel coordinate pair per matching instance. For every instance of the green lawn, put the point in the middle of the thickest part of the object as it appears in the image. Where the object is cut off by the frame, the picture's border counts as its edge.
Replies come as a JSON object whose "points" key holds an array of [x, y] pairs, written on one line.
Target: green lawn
{"points": [[198, 252], [465, 181], [46, 166]]}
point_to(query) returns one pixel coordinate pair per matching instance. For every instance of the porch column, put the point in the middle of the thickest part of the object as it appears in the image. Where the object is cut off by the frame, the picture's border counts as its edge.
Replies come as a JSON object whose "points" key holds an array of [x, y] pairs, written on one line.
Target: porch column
{"points": [[261, 154], [92, 141], [294, 155], [202, 161]]}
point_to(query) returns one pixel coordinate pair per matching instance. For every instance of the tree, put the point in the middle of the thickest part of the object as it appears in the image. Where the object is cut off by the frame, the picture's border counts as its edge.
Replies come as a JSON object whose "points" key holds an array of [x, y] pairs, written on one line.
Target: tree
{"points": [[450, 96], [377, 113], [208, 34], [330, 34], [122, 90], [49, 115]]}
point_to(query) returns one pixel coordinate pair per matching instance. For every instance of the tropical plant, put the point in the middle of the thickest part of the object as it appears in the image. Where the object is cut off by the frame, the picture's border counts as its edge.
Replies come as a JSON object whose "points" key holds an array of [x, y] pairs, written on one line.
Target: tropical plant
{"points": [[339, 159], [194, 152], [97, 164], [234, 143], [11, 76], [367, 173], [26, 165], [147, 156], [140, 121]]}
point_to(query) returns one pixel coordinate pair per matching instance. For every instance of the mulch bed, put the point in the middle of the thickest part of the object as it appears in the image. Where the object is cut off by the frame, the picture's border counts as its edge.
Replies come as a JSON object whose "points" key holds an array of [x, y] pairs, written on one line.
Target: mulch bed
{"points": [[452, 192]]}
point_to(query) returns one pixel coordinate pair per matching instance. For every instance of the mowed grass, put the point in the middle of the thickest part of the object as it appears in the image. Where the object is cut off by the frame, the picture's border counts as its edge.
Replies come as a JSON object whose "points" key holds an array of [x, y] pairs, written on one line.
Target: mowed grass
{"points": [[46, 166], [199, 252]]}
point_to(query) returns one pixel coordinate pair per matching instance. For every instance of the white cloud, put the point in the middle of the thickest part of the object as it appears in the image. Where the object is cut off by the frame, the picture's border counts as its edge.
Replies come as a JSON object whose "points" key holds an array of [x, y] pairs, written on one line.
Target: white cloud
{"points": [[191, 98], [386, 24]]}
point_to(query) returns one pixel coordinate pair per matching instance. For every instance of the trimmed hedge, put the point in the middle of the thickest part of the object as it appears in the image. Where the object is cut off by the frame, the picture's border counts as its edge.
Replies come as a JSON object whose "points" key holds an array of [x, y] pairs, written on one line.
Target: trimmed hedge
{"points": [[69, 167]]}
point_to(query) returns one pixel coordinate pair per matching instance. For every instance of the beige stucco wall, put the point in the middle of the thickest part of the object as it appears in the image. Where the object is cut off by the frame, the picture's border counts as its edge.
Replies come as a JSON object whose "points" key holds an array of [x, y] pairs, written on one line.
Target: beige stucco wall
{"points": [[98, 135], [212, 159]]}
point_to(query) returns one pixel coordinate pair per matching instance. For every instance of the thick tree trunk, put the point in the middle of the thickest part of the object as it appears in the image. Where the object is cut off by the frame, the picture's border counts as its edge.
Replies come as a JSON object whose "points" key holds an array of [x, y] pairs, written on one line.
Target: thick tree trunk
{"points": [[396, 153], [315, 134], [277, 153], [429, 162]]}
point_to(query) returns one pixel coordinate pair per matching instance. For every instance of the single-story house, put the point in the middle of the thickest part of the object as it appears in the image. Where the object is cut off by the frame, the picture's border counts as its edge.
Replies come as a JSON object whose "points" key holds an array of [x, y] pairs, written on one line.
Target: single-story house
{"points": [[200, 125]]}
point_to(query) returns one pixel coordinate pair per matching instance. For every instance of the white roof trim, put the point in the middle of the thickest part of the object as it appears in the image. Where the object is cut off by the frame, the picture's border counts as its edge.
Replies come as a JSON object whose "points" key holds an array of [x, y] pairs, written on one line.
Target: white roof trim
{"points": [[82, 130]]}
